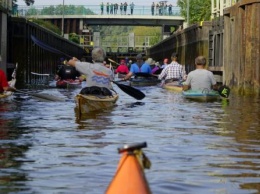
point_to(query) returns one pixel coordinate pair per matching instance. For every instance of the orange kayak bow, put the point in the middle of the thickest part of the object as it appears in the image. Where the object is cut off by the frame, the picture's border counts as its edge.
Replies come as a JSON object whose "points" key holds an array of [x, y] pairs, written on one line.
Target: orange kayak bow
{"points": [[129, 177]]}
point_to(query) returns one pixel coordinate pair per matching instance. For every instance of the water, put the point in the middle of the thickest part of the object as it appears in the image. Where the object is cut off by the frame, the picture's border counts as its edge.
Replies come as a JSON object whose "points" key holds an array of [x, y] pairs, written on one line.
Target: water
{"points": [[194, 147]]}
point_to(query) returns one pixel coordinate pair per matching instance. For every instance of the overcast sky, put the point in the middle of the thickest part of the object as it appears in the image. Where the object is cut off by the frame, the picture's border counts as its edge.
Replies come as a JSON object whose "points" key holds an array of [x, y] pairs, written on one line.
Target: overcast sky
{"points": [[92, 2]]}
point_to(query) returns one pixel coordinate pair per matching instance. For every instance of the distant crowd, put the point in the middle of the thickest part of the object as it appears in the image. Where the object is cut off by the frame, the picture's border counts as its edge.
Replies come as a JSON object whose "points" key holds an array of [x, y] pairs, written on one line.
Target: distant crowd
{"points": [[160, 8]]}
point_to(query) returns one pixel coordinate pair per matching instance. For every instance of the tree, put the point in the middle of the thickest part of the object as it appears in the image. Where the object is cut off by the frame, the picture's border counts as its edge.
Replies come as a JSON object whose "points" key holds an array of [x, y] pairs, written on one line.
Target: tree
{"points": [[199, 10]]}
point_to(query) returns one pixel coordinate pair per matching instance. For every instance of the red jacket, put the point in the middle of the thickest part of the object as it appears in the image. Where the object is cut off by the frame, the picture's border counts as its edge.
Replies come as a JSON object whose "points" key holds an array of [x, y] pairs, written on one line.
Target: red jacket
{"points": [[122, 69], [3, 81]]}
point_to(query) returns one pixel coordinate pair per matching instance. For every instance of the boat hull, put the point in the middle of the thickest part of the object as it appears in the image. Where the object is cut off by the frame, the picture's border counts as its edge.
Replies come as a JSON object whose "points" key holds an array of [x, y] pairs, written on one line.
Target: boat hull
{"points": [[174, 88], [8, 95], [66, 84], [89, 103], [201, 96], [150, 81]]}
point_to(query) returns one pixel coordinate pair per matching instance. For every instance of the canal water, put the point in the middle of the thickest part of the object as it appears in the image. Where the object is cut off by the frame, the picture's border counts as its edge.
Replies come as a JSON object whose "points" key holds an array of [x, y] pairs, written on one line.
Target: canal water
{"points": [[194, 147]]}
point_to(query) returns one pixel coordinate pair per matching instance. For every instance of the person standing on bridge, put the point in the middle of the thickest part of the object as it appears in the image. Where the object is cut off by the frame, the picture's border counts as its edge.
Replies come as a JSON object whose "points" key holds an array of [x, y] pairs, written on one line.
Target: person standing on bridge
{"points": [[102, 8], [132, 8], [139, 66], [152, 8], [108, 8], [125, 7], [170, 9]]}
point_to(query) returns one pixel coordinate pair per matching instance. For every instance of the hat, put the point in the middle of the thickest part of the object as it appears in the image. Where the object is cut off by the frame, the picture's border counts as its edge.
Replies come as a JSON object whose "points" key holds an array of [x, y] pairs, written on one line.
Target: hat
{"points": [[139, 56], [165, 60], [149, 61], [157, 64]]}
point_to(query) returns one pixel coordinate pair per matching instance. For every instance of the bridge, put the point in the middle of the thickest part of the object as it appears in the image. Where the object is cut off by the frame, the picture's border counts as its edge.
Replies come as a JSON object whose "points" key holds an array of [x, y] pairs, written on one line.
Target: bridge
{"points": [[79, 19]]}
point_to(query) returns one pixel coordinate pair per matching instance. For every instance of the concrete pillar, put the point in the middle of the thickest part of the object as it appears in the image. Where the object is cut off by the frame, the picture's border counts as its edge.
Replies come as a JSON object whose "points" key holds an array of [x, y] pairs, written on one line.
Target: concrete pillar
{"points": [[3, 41], [96, 38]]}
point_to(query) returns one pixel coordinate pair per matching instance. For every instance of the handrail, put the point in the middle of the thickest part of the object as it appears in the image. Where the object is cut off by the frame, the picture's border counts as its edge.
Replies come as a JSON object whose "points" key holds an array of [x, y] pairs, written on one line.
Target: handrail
{"points": [[91, 10]]}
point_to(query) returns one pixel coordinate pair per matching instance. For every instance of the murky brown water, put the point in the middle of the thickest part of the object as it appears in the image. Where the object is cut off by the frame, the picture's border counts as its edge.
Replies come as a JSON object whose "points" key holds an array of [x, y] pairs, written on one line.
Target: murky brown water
{"points": [[194, 147]]}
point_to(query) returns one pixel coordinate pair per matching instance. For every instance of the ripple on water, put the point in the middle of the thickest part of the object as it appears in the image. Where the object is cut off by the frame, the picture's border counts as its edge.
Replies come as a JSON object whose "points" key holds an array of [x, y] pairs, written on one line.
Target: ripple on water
{"points": [[194, 147]]}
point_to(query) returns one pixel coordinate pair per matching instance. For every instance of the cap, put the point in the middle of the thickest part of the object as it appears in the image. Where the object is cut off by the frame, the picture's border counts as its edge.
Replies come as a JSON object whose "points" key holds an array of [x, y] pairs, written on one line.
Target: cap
{"points": [[149, 61], [139, 56]]}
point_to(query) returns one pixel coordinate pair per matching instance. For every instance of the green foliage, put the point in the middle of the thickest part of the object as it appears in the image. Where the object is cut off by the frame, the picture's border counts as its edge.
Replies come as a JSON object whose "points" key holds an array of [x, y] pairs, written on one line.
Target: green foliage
{"points": [[74, 38], [47, 25], [58, 10], [199, 10]]}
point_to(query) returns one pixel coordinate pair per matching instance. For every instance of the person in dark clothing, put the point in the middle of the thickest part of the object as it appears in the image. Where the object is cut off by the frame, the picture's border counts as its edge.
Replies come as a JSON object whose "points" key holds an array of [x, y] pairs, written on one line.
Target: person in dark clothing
{"points": [[66, 72]]}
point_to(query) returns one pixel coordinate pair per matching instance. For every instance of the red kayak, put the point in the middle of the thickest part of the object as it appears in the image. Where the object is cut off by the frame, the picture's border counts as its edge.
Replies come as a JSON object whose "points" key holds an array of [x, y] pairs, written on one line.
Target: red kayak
{"points": [[69, 83]]}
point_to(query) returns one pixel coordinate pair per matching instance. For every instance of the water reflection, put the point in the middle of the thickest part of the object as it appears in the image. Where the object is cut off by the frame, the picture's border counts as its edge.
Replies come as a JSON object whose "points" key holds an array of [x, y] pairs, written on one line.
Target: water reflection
{"points": [[194, 147]]}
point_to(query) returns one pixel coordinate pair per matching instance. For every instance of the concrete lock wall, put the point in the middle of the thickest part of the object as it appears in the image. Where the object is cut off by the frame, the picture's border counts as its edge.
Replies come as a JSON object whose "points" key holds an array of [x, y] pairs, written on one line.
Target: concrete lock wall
{"points": [[242, 47]]}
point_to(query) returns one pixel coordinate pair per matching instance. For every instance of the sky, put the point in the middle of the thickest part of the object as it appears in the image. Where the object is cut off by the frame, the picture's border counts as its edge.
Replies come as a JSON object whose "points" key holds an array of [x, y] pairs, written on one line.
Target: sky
{"points": [[92, 2]]}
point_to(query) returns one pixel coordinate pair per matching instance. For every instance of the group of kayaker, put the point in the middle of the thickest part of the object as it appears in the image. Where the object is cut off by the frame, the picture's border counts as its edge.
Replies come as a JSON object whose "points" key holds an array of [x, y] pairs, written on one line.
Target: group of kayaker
{"points": [[99, 75]]}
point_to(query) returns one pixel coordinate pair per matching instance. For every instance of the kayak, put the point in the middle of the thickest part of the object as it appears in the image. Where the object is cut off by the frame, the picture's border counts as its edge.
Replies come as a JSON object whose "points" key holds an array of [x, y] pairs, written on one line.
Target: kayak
{"points": [[172, 87], [68, 83], [130, 177], [7, 95], [204, 96], [144, 81], [90, 102]]}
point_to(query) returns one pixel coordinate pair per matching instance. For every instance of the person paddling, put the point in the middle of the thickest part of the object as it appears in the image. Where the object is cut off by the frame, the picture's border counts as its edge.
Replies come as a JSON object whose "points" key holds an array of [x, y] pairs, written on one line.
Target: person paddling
{"points": [[98, 76], [139, 66], [173, 72], [4, 86], [200, 78]]}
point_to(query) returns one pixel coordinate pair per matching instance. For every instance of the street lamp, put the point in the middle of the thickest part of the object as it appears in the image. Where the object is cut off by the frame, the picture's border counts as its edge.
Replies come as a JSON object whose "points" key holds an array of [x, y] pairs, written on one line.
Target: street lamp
{"points": [[188, 12], [62, 21]]}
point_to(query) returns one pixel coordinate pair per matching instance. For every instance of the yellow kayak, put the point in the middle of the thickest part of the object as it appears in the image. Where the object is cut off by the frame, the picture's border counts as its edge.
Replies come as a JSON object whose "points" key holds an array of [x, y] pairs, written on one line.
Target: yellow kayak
{"points": [[90, 102]]}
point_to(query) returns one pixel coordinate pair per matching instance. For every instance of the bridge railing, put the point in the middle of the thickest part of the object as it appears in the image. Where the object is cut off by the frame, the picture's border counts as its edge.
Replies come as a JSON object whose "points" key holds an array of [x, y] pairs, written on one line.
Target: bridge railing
{"points": [[92, 10]]}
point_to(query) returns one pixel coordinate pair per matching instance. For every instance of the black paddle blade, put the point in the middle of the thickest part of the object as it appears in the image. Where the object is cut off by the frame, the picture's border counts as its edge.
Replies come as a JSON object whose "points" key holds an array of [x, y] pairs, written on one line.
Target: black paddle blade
{"points": [[135, 93], [224, 91]]}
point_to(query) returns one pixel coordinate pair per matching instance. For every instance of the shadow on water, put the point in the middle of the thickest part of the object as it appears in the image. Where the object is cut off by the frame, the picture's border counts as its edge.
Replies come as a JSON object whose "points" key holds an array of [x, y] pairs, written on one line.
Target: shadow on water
{"points": [[194, 147]]}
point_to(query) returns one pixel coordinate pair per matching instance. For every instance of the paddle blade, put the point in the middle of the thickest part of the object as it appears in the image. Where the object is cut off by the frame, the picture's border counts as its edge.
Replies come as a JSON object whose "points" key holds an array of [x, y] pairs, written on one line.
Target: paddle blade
{"points": [[224, 91], [45, 97], [135, 93]]}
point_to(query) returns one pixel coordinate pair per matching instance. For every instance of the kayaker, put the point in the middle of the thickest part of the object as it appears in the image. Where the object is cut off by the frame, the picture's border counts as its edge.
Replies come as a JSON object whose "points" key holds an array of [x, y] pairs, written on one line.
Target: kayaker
{"points": [[66, 72], [138, 66], [97, 74], [165, 63], [173, 72], [200, 78], [156, 68], [4, 86], [122, 68]]}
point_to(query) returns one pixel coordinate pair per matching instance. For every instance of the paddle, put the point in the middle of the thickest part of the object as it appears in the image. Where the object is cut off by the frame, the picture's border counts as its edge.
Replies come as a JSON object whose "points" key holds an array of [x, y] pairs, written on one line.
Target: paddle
{"points": [[224, 91], [47, 47], [46, 97], [113, 61], [135, 93]]}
